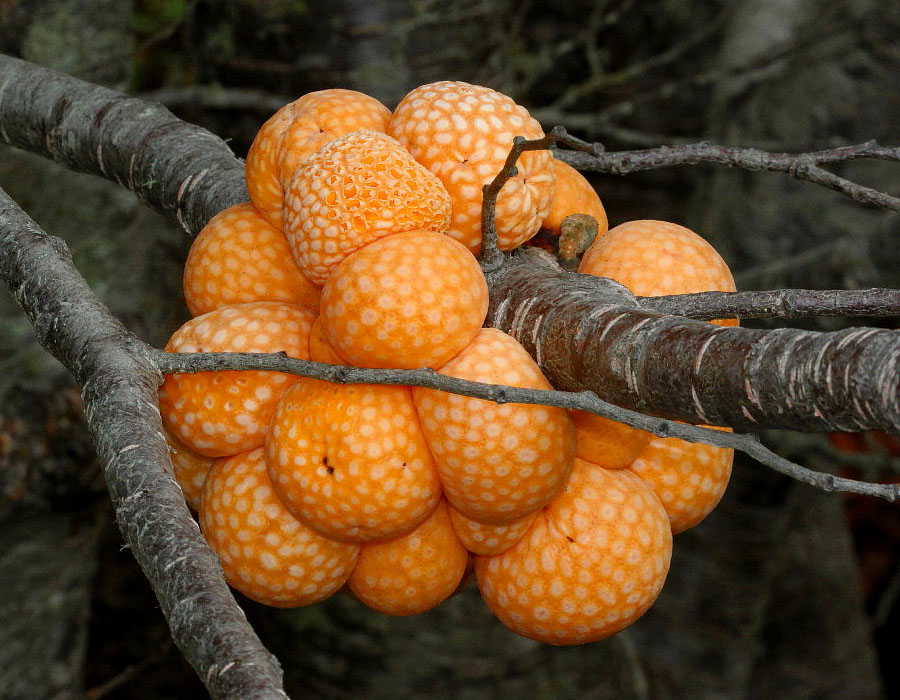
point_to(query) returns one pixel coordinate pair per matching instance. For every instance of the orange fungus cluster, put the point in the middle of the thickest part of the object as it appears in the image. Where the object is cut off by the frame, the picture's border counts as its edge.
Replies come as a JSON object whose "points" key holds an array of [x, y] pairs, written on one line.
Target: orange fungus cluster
{"points": [[357, 248]]}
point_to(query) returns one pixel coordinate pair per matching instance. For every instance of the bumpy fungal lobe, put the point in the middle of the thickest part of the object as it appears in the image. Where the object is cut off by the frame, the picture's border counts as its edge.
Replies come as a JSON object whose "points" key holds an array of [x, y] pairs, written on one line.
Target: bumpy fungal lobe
{"points": [[350, 460], [485, 539], [497, 462], [223, 413], [353, 191], [298, 130], [463, 134], [407, 300], [240, 257], [265, 552], [412, 573], [592, 563], [689, 477], [573, 195]]}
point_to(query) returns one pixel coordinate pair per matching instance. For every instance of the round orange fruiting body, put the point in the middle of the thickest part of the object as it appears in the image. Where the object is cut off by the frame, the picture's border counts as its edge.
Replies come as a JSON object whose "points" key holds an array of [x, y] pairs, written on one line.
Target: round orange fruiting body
{"points": [[222, 413], [655, 258], [353, 191], [688, 477], [265, 552], [408, 300], [320, 349], [497, 462], [606, 442], [298, 130], [592, 563], [573, 195], [240, 257], [414, 572], [485, 539], [190, 469], [350, 460], [463, 134]]}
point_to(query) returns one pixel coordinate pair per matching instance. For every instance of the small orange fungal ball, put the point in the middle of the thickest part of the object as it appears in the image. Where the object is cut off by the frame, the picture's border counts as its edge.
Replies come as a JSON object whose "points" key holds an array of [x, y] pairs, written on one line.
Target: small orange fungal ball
{"points": [[655, 258], [592, 563], [223, 413], [298, 130], [482, 538], [353, 191], [497, 462], [265, 552], [408, 300], [463, 134], [350, 460], [414, 572], [573, 195], [320, 349], [606, 442], [240, 257], [689, 477]]}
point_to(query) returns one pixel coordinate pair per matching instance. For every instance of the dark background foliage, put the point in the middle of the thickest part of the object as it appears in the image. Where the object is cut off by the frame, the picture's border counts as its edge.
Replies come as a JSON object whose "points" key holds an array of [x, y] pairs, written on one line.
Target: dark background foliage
{"points": [[782, 593]]}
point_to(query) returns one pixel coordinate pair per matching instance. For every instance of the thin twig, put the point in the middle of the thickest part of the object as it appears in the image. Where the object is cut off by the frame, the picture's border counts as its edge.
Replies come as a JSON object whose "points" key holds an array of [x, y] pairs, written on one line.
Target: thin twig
{"points": [[802, 166], [582, 401], [127, 674], [779, 303]]}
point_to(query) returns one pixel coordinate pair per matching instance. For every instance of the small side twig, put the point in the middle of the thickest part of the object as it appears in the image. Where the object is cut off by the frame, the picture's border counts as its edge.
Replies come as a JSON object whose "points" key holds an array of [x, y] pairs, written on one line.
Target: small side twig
{"points": [[583, 401], [780, 303]]}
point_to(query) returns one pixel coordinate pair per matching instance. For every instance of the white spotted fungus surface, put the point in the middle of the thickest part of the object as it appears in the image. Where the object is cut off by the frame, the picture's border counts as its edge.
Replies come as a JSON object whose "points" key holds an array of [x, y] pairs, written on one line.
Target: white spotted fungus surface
{"points": [[593, 562], [463, 133], [222, 413], [353, 191], [265, 552], [408, 300], [497, 462], [412, 573], [350, 460]]}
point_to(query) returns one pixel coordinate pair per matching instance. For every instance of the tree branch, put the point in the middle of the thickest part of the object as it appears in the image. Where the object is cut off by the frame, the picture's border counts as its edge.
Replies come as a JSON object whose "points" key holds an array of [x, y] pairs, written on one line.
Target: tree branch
{"points": [[802, 166], [498, 393], [178, 169], [120, 381], [779, 303]]}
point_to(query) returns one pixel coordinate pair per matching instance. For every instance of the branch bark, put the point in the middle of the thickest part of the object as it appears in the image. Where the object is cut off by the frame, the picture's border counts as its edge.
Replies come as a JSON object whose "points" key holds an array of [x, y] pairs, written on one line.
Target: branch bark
{"points": [[120, 381]]}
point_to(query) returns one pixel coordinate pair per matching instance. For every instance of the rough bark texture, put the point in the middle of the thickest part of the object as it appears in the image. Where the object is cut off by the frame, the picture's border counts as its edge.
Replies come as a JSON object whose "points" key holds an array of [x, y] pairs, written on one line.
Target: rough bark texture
{"points": [[695, 371], [137, 144], [119, 384]]}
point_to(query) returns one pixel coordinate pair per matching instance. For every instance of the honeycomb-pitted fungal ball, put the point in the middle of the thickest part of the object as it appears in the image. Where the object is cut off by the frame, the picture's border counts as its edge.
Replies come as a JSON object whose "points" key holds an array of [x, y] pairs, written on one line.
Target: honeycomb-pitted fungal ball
{"points": [[353, 191]]}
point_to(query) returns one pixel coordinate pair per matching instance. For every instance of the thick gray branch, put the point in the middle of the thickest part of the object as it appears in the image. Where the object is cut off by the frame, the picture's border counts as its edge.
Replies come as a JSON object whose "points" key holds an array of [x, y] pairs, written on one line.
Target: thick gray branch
{"points": [[179, 169], [119, 382], [695, 371]]}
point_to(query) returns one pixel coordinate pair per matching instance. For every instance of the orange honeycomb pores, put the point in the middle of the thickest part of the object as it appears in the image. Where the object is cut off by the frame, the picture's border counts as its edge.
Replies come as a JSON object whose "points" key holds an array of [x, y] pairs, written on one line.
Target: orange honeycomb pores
{"points": [[574, 195], [350, 460], [265, 552], [353, 191], [497, 462], [223, 413], [688, 477], [240, 257], [481, 538], [593, 562], [298, 130], [414, 572], [408, 300], [463, 134]]}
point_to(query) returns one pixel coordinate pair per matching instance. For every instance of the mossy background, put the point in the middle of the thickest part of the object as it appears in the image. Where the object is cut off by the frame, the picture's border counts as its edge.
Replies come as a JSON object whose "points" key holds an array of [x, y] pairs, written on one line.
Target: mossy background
{"points": [[782, 593]]}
